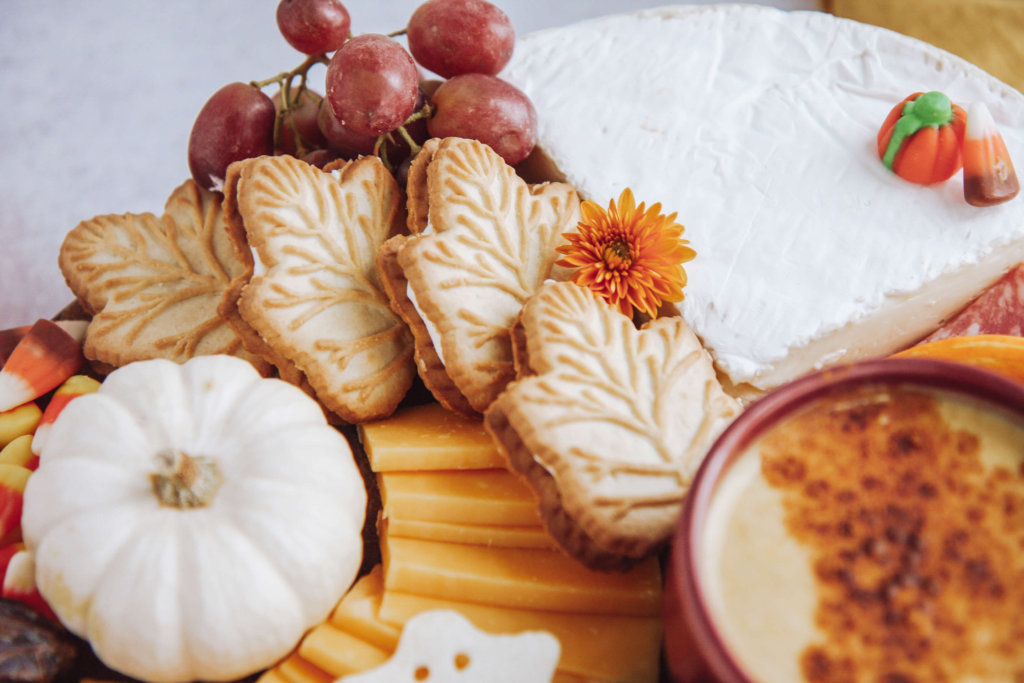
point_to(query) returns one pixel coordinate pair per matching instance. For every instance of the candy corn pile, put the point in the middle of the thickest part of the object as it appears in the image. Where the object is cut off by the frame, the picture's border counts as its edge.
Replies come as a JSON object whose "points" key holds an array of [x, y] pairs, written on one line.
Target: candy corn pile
{"points": [[37, 381]]}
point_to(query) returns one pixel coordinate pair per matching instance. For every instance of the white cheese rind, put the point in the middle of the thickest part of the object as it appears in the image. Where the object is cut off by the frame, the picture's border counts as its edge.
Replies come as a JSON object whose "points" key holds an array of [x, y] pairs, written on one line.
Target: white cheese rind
{"points": [[758, 127]]}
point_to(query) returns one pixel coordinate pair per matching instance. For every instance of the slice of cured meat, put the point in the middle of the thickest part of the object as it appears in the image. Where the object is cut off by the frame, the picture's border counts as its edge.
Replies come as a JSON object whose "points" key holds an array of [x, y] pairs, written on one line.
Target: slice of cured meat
{"points": [[997, 310]]}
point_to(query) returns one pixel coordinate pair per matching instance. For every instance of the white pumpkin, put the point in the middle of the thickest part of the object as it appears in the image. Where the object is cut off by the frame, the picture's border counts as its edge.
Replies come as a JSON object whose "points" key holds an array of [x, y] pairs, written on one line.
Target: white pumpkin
{"points": [[192, 521]]}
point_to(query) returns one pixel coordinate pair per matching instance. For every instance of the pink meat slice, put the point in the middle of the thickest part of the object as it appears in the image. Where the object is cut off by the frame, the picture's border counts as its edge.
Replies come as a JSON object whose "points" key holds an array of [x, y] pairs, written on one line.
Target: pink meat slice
{"points": [[997, 310]]}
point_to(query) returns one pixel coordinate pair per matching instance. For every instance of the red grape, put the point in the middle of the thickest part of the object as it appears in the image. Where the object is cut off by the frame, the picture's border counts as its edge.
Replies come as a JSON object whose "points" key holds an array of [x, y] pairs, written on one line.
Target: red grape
{"points": [[372, 84], [300, 118], [237, 122], [320, 157], [452, 37], [313, 26], [487, 109], [341, 139]]}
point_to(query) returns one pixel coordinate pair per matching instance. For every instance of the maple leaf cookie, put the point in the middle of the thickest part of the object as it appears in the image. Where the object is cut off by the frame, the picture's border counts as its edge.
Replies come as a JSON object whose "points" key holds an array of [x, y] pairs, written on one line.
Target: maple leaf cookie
{"points": [[153, 283], [608, 423], [312, 295], [486, 241]]}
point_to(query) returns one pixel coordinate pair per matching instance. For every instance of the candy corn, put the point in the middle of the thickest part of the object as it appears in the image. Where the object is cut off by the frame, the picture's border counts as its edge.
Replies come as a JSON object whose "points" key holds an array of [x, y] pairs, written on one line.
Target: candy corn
{"points": [[45, 357], [13, 479], [20, 582], [6, 553], [9, 339], [19, 452], [19, 421], [989, 177], [76, 328], [75, 386]]}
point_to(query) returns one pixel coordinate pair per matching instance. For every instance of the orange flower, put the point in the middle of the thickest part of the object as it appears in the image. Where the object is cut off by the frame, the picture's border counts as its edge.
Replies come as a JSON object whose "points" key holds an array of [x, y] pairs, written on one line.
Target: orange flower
{"points": [[630, 256]]}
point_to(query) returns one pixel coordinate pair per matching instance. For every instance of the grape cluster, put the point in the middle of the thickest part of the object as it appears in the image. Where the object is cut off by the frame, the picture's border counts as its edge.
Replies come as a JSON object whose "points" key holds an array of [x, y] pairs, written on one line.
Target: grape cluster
{"points": [[375, 100]]}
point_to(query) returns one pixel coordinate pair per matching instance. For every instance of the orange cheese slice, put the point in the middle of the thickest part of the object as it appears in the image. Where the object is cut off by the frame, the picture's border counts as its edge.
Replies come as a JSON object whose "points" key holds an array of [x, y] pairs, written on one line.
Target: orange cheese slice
{"points": [[564, 677], [357, 613], [473, 534], [338, 652], [295, 669], [269, 676], [517, 577], [594, 647], [428, 437], [491, 496]]}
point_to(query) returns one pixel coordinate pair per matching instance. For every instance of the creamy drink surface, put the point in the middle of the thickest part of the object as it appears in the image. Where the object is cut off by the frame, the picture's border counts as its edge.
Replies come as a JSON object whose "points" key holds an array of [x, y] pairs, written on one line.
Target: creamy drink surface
{"points": [[875, 535]]}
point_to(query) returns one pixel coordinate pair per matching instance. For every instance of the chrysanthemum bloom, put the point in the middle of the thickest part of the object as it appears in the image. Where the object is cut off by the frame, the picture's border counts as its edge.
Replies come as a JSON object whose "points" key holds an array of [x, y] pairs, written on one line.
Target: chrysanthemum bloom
{"points": [[630, 255]]}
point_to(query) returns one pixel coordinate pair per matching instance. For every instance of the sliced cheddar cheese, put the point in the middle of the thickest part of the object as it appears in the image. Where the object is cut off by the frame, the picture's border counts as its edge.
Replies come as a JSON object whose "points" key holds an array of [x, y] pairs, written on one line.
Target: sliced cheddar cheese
{"points": [[269, 676], [428, 437], [563, 677], [516, 577], [295, 669], [594, 647], [338, 652], [357, 613], [504, 536], [491, 496]]}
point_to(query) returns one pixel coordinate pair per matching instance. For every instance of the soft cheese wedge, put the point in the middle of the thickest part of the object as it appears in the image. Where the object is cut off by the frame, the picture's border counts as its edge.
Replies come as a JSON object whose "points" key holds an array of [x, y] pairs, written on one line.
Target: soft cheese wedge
{"points": [[758, 127]]}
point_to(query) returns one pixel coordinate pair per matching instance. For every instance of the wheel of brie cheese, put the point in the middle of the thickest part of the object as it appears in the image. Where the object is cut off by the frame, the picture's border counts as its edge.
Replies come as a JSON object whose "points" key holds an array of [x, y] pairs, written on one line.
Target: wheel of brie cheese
{"points": [[758, 127]]}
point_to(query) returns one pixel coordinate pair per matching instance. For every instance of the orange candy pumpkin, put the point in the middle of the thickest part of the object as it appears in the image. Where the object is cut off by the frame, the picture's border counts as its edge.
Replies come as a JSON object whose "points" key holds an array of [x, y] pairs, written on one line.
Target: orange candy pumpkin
{"points": [[921, 138]]}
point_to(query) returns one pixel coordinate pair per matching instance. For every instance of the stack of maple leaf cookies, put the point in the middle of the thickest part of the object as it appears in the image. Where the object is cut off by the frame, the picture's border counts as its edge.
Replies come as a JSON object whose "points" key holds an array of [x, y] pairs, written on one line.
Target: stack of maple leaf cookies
{"points": [[337, 282]]}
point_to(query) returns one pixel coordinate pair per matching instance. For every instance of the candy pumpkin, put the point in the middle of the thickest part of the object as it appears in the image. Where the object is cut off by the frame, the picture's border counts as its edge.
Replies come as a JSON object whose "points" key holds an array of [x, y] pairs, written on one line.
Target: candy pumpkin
{"points": [[921, 138], [192, 521]]}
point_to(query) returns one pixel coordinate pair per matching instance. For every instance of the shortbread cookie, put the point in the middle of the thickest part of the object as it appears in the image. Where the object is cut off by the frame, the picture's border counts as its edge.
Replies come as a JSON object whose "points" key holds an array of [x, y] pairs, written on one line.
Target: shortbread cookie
{"points": [[416, 187], [315, 297], [488, 244], [609, 423], [442, 646], [228, 308], [428, 364], [153, 284]]}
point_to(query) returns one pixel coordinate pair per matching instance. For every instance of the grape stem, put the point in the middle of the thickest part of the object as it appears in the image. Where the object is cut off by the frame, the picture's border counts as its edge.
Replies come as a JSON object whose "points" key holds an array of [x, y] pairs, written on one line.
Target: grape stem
{"points": [[380, 146], [284, 81]]}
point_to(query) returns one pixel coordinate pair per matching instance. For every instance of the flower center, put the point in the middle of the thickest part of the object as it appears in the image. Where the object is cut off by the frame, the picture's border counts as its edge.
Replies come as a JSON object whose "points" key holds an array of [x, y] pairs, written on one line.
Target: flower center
{"points": [[617, 255]]}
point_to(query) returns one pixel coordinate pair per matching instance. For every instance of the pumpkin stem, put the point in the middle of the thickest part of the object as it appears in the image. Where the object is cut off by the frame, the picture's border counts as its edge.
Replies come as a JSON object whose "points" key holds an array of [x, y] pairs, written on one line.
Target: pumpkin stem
{"points": [[183, 481]]}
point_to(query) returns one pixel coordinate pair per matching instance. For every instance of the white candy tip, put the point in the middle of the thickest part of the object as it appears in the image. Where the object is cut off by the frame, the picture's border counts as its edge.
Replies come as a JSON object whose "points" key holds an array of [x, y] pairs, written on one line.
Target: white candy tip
{"points": [[979, 121], [14, 391]]}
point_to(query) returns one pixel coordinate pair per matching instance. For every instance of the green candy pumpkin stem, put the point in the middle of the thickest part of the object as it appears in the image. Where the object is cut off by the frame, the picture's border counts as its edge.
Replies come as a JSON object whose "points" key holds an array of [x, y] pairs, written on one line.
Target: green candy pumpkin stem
{"points": [[930, 109]]}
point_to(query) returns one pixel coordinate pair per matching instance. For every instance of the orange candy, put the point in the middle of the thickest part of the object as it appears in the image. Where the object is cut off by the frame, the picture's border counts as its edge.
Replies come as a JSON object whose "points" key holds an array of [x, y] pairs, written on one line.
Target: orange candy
{"points": [[72, 388], [46, 356], [13, 479], [989, 177], [9, 340], [920, 139]]}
